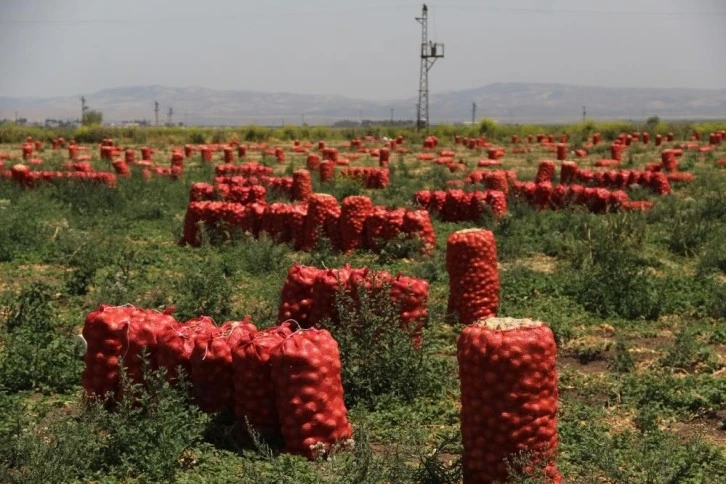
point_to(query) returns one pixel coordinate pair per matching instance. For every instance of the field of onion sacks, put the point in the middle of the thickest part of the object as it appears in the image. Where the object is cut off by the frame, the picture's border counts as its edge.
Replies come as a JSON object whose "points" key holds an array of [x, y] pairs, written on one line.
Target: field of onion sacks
{"points": [[540, 305]]}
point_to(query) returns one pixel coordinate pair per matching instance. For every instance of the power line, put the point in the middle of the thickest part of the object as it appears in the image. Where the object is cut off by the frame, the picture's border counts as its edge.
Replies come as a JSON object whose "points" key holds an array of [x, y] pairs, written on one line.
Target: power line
{"points": [[577, 11], [368, 8]]}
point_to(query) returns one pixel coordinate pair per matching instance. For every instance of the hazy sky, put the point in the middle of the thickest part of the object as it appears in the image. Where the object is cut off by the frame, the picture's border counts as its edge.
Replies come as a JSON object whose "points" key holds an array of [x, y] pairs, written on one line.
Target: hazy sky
{"points": [[365, 48]]}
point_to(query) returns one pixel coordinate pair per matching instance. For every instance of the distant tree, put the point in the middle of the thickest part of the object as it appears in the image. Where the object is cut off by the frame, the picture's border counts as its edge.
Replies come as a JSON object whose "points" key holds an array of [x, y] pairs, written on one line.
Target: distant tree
{"points": [[487, 126], [652, 122], [92, 118]]}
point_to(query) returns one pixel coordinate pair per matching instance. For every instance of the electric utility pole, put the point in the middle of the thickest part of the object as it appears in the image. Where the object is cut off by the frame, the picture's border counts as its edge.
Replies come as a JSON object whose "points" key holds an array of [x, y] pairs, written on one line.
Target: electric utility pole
{"points": [[430, 51], [84, 108]]}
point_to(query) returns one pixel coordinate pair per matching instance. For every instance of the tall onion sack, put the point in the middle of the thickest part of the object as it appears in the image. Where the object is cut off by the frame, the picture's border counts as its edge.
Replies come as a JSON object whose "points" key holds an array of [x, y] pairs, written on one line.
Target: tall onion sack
{"points": [[302, 185], [211, 364], [296, 300], [353, 214], [417, 223], [411, 295], [327, 285], [175, 345], [545, 171], [119, 334], [309, 392], [471, 261], [508, 397], [254, 393], [321, 207]]}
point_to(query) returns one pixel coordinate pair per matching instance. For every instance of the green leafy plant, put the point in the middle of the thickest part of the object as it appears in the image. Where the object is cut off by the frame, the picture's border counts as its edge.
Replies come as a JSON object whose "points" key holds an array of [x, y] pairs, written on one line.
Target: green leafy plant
{"points": [[35, 355], [377, 356], [688, 353], [622, 362], [611, 278]]}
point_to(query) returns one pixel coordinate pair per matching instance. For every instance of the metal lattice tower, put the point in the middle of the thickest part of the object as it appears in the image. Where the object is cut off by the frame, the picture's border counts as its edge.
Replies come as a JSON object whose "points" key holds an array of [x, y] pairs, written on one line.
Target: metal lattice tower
{"points": [[430, 51], [84, 109]]}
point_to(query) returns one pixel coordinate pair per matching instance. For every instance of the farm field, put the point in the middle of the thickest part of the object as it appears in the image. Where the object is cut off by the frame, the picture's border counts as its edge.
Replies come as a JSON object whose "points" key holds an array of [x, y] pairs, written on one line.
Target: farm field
{"points": [[631, 280]]}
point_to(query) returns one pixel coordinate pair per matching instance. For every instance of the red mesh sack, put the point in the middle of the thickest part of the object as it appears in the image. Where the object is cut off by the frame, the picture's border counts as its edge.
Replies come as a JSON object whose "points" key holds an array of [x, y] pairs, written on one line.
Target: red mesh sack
{"points": [[411, 295], [327, 285], [353, 214], [508, 383], [309, 392], [438, 199], [327, 171], [568, 172], [545, 171], [302, 185], [453, 210], [331, 227], [296, 299], [497, 200], [542, 195], [254, 394], [321, 207], [201, 191], [422, 198], [659, 183], [471, 261], [496, 180], [616, 151], [313, 161], [211, 365], [176, 342], [373, 231], [393, 223], [275, 222], [561, 152], [116, 334], [418, 223], [680, 177]]}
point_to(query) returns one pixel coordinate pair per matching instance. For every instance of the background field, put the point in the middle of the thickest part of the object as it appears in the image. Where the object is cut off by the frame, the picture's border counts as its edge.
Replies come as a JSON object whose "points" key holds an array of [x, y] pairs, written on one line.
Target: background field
{"points": [[637, 302]]}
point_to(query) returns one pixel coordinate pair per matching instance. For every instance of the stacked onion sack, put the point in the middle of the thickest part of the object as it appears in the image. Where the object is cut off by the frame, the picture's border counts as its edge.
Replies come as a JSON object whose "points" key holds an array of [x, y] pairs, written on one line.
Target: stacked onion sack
{"points": [[323, 213], [119, 334], [254, 392], [175, 345], [306, 375], [309, 296], [279, 381], [471, 261], [211, 364], [353, 214], [508, 398]]}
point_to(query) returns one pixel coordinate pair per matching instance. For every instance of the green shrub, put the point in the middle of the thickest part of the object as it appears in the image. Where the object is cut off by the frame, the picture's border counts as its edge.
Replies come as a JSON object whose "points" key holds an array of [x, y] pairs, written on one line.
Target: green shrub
{"points": [[674, 395], [144, 438], [22, 228], [378, 358], [688, 353], [205, 288], [58, 447], [689, 233], [610, 276], [622, 362], [151, 428], [33, 354]]}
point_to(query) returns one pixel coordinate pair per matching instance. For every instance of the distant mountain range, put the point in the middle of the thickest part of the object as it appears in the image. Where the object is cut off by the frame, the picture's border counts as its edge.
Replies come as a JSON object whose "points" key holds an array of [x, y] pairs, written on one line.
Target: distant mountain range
{"points": [[504, 102]]}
